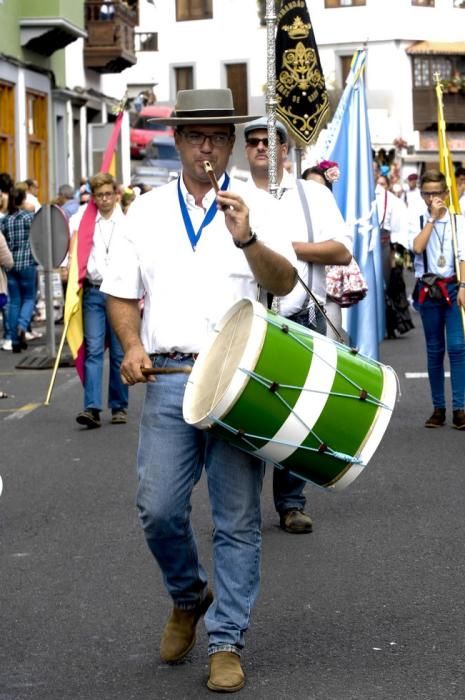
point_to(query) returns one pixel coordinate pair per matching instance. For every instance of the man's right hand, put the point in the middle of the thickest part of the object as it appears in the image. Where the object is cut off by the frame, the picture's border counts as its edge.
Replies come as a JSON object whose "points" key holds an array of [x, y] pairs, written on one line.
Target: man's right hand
{"points": [[131, 367]]}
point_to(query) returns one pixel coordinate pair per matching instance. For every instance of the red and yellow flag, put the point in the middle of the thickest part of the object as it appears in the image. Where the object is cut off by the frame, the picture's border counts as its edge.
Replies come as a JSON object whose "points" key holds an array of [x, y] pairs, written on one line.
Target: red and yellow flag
{"points": [[81, 245]]}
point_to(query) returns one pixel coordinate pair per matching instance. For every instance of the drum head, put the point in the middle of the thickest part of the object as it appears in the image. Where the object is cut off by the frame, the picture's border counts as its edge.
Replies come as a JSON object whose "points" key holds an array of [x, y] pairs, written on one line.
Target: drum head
{"points": [[215, 384]]}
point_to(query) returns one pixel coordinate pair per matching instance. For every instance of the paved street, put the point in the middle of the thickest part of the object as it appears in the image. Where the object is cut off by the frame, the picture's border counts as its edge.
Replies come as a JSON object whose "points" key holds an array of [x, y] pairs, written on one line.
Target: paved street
{"points": [[367, 607]]}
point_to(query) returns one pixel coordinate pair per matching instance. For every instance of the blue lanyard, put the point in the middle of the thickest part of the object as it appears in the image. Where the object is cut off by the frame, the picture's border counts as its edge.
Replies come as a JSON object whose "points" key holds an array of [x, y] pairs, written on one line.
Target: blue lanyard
{"points": [[209, 216]]}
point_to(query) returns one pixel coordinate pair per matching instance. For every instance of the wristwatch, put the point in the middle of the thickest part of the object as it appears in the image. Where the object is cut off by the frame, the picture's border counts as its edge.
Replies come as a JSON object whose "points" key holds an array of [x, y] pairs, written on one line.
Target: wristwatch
{"points": [[430, 220], [245, 244], [461, 285]]}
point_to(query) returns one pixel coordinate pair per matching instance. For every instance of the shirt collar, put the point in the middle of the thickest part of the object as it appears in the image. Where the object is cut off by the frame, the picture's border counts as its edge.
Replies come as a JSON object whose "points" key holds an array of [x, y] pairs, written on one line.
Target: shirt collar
{"points": [[207, 200]]}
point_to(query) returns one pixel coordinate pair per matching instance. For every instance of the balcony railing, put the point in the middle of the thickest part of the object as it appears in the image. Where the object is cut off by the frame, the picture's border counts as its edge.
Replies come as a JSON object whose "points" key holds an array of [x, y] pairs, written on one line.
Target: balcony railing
{"points": [[109, 47]]}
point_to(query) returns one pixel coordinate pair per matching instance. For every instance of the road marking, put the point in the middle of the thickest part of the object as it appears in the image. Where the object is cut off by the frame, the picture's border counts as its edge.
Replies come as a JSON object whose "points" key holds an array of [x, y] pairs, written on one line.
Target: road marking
{"points": [[23, 411], [421, 375]]}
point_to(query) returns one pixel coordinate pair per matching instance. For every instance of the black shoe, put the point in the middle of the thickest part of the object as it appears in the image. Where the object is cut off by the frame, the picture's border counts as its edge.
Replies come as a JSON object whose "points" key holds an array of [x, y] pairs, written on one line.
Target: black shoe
{"points": [[90, 418], [459, 419], [437, 419], [119, 416], [16, 348], [295, 521], [22, 340]]}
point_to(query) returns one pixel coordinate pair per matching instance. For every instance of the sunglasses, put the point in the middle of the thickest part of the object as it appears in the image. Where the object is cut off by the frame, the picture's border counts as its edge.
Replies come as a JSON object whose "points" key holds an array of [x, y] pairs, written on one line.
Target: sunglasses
{"points": [[254, 141]]}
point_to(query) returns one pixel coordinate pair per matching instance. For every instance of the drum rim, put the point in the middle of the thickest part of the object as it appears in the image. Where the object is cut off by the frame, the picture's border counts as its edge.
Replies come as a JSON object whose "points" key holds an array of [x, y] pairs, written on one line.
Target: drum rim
{"points": [[374, 436], [240, 379]]}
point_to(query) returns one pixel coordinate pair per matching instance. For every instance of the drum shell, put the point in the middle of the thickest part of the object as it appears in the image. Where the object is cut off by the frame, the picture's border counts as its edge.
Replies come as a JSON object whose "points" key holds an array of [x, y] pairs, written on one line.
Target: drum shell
{"points": [[308, 404]]}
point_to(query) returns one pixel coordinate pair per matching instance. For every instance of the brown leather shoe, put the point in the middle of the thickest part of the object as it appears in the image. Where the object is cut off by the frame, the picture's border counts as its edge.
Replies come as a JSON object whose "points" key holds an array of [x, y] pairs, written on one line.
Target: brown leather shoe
{"points": [[437, 418], [295, 521], [226, 674], [179, 634], [459, 419]]}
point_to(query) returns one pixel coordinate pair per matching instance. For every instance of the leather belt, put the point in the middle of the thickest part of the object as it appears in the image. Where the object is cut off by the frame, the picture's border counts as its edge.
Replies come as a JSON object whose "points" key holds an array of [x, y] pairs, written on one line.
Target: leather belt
{"points": [[176, 355]]}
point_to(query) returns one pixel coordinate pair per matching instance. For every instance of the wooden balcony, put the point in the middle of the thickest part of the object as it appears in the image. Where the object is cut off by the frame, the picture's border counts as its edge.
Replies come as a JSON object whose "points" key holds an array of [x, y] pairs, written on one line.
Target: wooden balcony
{"points": [[109, 47], [425, 111]]}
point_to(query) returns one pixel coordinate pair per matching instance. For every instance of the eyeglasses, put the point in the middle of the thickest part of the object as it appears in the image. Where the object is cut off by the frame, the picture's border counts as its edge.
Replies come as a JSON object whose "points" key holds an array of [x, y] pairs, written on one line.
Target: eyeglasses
{"points": [[432, 194], [195, 138], [104, 195]]}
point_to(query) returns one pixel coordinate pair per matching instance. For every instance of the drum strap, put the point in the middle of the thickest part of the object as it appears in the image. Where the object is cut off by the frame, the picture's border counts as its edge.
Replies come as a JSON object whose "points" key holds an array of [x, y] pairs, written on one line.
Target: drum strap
{"points": [[308, 221]]}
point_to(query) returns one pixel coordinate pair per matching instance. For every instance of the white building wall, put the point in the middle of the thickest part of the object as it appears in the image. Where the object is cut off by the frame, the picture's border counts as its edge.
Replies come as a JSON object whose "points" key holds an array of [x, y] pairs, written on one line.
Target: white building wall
{"points": [[385, 27]]}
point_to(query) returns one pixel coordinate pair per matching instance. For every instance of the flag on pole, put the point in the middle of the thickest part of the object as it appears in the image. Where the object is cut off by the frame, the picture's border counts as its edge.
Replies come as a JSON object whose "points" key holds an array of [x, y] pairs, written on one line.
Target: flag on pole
{"points": [[81, 245], [445, 159], [349, 144], [302, 99]]}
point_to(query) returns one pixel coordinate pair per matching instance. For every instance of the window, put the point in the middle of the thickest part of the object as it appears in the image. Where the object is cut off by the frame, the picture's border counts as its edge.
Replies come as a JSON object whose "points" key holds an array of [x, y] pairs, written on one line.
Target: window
{"points": [[7, 129], [193, 9], [184, 78], [145, 41], [37, 137], [344, 3], [423, 3], [459, 3], [425, 69]]}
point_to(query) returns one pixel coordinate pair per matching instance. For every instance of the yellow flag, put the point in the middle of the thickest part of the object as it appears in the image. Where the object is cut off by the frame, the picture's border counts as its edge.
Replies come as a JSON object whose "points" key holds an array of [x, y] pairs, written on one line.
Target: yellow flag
{"points": [[445, 160]]}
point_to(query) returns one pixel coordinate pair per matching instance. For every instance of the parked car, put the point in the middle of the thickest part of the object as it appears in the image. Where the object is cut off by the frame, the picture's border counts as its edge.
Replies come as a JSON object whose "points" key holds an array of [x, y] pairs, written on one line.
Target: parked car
{"points": [[161, 164], [143, 131]]}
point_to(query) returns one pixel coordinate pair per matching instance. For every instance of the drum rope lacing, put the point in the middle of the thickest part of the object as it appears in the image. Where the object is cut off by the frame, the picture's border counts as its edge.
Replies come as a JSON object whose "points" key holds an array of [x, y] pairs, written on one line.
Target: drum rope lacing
{"points": [[274, 386]]}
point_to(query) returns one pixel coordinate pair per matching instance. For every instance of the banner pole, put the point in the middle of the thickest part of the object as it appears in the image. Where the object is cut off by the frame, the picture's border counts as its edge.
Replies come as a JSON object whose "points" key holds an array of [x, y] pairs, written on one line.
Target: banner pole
{"points": [[442, 139], [271, 101]]}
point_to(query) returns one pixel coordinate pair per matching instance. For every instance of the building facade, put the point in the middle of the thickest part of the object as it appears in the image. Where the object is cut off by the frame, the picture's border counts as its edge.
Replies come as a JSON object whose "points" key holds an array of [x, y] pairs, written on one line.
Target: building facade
{"points": [[219, 43], [53, 56]]}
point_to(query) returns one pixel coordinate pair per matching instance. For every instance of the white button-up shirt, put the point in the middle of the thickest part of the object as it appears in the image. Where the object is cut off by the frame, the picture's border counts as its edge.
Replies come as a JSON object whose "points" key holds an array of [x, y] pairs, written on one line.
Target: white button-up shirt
{"points": [[107, 233], [439, 245], [186, 292], [327, 224]]}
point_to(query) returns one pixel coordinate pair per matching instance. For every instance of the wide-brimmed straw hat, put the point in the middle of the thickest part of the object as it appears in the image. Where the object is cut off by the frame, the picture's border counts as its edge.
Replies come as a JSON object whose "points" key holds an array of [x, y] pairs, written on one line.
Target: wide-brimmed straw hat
{"points": [[204, 106]]}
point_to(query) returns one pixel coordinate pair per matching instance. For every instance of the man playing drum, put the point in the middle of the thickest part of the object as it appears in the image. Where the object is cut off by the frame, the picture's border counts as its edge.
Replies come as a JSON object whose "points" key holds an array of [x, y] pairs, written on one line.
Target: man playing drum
{"points": [[192, 252], [320, 238]]}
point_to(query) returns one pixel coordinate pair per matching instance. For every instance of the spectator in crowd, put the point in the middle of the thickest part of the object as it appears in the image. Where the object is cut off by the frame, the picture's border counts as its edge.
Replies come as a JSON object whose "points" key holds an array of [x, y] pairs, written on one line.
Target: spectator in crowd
{"points": [[22, 278], [6, 185], [67, 201], [460, 182], [32, 190], [6, 263]]}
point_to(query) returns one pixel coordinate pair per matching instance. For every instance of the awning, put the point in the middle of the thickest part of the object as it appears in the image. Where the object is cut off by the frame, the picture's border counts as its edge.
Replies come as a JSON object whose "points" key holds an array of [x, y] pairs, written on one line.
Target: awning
{"points": [[422, 48]]}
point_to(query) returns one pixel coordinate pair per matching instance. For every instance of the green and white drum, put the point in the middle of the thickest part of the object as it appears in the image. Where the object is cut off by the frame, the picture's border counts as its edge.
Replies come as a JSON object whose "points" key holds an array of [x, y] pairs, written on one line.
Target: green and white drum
{"points": [[290, 396]]}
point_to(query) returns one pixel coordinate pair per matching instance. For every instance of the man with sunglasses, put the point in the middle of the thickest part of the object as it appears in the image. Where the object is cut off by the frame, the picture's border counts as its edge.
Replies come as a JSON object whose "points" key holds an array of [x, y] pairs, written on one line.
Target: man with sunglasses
{"points": [[440, 305], [97, 330], [305, 205], [192, 252]]}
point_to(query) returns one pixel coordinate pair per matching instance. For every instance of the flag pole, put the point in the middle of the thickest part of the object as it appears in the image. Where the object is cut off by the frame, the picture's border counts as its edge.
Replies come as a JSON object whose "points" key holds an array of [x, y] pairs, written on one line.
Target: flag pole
{"points": [[445, 160], [271, 101], [56, 365]]}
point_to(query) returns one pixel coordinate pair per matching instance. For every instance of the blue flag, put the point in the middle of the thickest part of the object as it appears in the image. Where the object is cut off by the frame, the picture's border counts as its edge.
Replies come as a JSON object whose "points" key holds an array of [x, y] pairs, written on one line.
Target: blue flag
{"points": [[349, 144]]}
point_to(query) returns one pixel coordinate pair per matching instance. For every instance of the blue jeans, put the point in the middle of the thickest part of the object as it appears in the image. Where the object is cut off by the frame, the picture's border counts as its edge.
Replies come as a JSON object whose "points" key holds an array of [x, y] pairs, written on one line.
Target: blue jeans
{"points": [[170, 460], [97, 334], [441, 321], [288, 490], [22, 297]]}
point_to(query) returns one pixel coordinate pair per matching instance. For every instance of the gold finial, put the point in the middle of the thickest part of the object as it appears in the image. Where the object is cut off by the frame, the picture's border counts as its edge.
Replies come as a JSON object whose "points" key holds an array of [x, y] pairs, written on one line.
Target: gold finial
{"points": [[121, 105]]}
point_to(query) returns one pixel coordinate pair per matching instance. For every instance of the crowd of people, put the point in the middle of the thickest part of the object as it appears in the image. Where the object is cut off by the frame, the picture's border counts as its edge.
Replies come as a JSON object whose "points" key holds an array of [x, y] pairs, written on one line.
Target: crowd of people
{"points": [[164, 267]]}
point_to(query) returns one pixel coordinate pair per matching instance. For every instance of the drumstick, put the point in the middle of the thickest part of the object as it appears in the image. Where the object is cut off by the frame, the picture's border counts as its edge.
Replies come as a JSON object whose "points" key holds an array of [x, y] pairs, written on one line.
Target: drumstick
{"points": [[149, 371], [211, 175]]}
